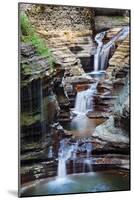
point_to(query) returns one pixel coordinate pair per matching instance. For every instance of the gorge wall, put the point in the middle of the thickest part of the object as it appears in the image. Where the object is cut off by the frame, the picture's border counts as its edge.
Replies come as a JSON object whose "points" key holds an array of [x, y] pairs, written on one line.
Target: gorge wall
{"points": [[68, 32], [41, 104]]}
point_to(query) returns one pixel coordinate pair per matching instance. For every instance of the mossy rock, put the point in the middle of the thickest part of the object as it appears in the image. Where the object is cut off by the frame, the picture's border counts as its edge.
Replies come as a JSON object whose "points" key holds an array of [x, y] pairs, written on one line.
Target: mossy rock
{"points": [[27, 120]]}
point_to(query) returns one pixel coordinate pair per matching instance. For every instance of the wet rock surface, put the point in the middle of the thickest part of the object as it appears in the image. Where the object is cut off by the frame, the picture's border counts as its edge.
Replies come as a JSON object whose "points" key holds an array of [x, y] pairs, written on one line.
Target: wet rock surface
{"points": [[41, 106]]}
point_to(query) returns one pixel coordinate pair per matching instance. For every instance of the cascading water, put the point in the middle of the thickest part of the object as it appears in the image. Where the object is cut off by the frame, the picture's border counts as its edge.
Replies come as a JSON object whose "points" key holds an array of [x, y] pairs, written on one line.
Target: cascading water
{"points": [[84, 103], [84, 100], [65, 152], [69, 151], [88, 159], [98, 38], [75, 156], [105, 50], [62, 167]]}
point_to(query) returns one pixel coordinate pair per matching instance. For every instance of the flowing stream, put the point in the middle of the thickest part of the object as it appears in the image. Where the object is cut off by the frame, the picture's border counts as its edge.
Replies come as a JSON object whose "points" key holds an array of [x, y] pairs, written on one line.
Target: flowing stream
{"points": [[65, 152]]}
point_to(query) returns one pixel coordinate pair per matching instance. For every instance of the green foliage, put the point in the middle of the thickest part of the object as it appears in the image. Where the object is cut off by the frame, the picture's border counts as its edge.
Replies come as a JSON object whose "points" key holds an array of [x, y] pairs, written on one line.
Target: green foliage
{"points": [[26, 27], [28, 35]]}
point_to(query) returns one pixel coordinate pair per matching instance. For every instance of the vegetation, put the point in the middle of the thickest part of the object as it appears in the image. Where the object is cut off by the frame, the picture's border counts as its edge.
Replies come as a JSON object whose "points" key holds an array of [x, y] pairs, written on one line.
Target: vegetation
{"points": [[29, 35]]}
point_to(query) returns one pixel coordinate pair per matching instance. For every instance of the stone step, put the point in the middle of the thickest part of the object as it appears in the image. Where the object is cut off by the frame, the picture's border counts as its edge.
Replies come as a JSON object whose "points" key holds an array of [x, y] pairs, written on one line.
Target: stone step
{"points": [[108, 97], [63, 55]]}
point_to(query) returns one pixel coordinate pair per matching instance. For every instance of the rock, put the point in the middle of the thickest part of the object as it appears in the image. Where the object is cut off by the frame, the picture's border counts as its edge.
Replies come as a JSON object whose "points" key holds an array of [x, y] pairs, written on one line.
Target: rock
{"points": [[70, 40], [81, 87], [108, 22], [27, 50], [98, 115], [52, 18], [41, 104], [108, 132], [119, 63]]}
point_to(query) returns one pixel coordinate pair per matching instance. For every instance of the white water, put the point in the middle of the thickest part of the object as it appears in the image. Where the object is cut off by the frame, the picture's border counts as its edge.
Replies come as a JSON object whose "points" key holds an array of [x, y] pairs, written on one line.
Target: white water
{"points": [[104, 50], [88, 160], [98, 38], [62, 168], [84, 100], [75, 156], [65, 152], [69, 151]]}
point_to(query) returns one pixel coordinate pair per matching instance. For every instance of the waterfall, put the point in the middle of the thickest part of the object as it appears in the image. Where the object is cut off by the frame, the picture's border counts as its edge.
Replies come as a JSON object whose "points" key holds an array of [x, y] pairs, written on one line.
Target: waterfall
{"points": [[84, 99], [98, 38], [75, 156], [62, 172], [69, 151], [65, 152], [88, 159], [104, 50]]}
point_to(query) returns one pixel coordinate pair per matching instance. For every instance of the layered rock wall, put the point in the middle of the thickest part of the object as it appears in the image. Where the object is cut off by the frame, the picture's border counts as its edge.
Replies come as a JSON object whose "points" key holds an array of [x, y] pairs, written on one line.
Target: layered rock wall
{"points": [[41, 104], [68, 32]]}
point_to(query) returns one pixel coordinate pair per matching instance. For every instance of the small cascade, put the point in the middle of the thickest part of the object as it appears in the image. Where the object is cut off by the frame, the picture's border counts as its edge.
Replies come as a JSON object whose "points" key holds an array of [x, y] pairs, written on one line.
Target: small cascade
{"points": [[65, 152], [75, 156], [62, 167], [84, 100], [69, 151], [88, 159], [104, 51]]}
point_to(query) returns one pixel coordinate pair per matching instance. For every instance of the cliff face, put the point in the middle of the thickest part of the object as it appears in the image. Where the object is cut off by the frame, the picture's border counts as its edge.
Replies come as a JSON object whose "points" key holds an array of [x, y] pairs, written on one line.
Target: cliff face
{"points": [[110, 18], [68, 33], [119, 64], [114, 132], [58, 18], [119, 73], [41, 104]]}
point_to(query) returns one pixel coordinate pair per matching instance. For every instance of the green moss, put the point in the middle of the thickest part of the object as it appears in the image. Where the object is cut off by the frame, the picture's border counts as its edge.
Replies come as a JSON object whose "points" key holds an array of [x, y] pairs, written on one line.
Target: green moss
{"points": [[26, 27], [119, 18], [27, 119], [26, 69], [29, 35]]}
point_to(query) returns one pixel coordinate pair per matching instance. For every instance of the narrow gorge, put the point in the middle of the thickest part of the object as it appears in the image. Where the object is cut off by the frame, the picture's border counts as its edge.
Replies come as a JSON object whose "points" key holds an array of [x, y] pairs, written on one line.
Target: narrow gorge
{"points": [[75, 114]]}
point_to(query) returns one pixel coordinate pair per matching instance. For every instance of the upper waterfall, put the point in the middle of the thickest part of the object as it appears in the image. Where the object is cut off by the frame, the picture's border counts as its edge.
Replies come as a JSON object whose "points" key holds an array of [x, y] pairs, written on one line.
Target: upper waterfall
{"points": [[103, 51]]}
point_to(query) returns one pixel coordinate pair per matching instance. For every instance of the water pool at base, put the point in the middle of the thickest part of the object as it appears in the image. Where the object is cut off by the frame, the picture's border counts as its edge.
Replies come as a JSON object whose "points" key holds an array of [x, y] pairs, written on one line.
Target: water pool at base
{"points": [[80, 183]]}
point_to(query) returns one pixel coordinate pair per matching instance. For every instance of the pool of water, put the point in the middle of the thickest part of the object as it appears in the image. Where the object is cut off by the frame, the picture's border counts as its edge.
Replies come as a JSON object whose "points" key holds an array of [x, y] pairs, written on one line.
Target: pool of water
{"points": [[82, 126], [80, 183], [98, 75]]}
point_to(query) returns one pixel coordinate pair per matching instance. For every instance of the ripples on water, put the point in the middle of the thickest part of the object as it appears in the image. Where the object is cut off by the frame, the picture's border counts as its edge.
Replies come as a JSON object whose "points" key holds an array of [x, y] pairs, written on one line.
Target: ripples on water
{"points": [[89, 182]]}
